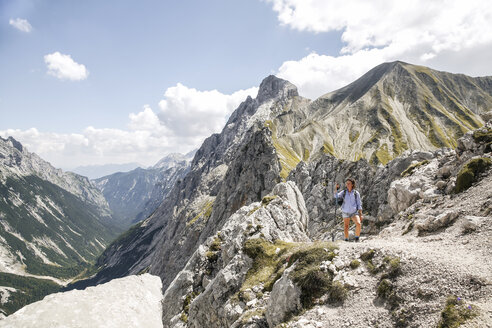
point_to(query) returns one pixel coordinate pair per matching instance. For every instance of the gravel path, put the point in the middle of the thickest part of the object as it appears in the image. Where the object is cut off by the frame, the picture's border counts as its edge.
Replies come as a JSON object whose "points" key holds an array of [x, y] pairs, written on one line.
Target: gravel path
{"points": [[433, 267]]}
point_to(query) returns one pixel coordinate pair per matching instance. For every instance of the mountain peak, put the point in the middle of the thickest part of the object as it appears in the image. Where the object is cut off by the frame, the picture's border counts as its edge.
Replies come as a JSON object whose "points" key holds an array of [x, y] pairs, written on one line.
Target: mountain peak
{"points": [[273, 86], [16, 144]]}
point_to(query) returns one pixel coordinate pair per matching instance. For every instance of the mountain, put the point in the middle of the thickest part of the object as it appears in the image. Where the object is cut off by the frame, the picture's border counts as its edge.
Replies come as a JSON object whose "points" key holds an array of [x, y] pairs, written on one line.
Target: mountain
{"points": [[133, 196], [257, 196], [394, 107], [52, 223], [97, 171]]}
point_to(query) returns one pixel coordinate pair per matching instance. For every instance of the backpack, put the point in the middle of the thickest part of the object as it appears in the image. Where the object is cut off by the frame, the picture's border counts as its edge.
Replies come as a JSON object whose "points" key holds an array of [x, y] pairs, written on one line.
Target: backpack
{"points": [[342, 199]]}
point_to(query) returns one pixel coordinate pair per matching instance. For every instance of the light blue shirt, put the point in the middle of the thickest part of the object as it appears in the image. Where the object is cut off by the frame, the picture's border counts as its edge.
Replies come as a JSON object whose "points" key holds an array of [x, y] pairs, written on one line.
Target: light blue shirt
{"points": [[351, 203]]}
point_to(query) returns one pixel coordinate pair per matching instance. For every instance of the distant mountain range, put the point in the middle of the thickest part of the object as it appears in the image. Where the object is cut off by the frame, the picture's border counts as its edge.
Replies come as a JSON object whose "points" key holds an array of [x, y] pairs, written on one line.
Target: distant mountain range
{"points": [[134, 195], [52, 222], [98, 171]]}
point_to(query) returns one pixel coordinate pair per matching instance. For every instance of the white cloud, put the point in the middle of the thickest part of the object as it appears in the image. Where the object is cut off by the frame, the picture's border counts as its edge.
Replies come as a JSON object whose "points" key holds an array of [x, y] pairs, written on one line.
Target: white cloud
{"points": [[149, 136], [430, 33], [315, 75], [192, 113], [64, 67], [21, 24]]}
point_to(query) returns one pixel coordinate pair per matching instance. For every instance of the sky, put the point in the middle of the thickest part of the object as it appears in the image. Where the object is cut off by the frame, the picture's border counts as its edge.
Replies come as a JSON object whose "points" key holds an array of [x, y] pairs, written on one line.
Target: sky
{"points": [[118, 81]]}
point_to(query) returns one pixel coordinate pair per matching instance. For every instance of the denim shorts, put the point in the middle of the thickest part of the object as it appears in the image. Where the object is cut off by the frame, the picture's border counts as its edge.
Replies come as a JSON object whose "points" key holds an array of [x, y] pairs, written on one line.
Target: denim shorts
{"points": [[348, 215]]}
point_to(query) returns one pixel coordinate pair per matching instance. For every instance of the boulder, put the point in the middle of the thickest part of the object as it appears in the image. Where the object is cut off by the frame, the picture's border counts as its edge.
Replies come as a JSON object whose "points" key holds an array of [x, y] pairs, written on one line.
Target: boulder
{"points": [[284, 299]]}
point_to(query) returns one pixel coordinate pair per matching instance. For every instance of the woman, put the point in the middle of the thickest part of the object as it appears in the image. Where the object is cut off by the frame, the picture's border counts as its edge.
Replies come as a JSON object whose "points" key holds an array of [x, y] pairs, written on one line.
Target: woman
{"points": [[351, 205]]}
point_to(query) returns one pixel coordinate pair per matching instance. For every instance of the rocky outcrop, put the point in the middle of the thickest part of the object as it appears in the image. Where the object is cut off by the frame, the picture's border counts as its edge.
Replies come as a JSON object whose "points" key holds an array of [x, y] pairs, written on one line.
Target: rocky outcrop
{"points": [[209, 284], [284, 300]]}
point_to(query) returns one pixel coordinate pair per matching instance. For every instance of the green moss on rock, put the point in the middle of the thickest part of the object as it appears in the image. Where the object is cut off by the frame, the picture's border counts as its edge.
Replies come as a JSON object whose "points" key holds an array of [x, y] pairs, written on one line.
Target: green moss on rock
{"points": [[470, 173], [412, 168], [271, 259], [483, 136], [366, 256], [354, 135]]}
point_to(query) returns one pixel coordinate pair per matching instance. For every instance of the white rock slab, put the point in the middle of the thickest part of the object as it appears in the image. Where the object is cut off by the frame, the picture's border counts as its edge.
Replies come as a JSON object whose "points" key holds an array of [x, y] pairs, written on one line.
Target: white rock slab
{"points": [[133, 301]]}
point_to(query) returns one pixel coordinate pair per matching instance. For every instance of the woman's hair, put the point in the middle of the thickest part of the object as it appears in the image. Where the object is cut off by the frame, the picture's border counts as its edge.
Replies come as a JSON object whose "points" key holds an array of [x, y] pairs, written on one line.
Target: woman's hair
{"points": [[351, 180]]}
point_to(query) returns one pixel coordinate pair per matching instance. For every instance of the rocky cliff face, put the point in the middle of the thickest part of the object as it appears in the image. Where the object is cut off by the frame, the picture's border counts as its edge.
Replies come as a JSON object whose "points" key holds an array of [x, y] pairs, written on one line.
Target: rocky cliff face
{"points": [[133, 196], [16, 161], [164, 242]]}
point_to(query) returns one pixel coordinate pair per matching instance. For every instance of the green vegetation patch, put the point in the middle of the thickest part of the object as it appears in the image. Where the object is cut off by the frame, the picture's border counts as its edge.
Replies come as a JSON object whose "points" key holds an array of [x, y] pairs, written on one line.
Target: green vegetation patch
{"points": [[381, 155], [354, 264], [287, 156], [267, 199], [387, 291], [29, 290], [392, 266], [268, 263], [354, 135], [328, 148], [413, 167], [271, 259], [483, 136], [456, 312], [313, 282], [264, 202], [204, 213], [368, 255], [306, 155], [470, 173], [186, 305]]}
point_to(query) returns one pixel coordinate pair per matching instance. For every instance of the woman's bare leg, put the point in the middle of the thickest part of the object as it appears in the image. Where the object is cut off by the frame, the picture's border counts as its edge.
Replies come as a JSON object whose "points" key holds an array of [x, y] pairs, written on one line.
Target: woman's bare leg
{"points": [[346, 222], [356, 220]]}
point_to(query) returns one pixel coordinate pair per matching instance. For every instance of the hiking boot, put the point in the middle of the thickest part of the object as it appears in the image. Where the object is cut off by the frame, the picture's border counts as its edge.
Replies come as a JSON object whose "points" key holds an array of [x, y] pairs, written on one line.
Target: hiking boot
{"points": [[346, 239], [356, 239]]}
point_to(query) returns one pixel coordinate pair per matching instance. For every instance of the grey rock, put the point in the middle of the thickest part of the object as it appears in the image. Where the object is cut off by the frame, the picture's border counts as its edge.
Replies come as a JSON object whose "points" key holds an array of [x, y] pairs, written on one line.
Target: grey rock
{"points": [[471, 223], [284, 299], [441, 185], [430, 223]]}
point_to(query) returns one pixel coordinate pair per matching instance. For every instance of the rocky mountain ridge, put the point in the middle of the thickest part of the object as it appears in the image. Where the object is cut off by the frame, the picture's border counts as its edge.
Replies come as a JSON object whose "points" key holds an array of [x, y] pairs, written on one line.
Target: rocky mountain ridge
{"points": [[392, 108], [258, 269], [98, 171]]}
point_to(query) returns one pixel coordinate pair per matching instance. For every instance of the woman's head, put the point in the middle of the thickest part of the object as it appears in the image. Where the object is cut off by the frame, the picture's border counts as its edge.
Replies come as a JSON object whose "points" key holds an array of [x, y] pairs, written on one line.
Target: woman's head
{"points": [[350, 183]]}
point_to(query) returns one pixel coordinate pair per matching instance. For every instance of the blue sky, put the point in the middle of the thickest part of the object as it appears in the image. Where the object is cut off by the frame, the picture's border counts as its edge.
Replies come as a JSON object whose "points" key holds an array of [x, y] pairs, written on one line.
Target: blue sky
{"points": [[97, 82], [134, 51]]}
